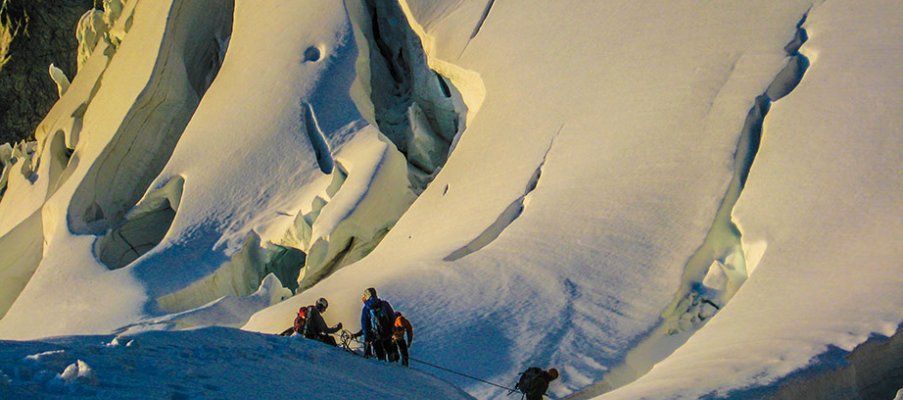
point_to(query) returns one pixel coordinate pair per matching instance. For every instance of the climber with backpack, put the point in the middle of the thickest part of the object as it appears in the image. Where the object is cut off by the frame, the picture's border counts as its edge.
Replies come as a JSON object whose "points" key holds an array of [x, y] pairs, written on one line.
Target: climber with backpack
{"points": [[401, 327], [298, 325], [377, 326], [534, 382], [315, 326]]}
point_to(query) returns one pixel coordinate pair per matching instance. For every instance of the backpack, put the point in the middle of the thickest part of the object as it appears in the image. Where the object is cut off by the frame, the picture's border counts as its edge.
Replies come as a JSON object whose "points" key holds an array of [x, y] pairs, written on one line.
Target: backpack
{"points": [[301, 320], [398, 330], [381, 323], [530, 382], [307, 329]]}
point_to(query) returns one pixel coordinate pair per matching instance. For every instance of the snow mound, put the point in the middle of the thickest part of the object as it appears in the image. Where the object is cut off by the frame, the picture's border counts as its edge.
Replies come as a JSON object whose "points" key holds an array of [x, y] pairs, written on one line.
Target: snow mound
{"points": [[206, 363]]}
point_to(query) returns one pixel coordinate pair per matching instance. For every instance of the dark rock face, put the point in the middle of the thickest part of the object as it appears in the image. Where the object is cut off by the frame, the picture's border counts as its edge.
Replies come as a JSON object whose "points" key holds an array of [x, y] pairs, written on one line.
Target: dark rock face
{"points": [[44, 34]]}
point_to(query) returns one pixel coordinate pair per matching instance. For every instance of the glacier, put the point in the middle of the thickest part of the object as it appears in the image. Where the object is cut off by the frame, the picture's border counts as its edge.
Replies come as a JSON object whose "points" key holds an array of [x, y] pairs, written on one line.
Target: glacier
{"points": [[664, 199]]}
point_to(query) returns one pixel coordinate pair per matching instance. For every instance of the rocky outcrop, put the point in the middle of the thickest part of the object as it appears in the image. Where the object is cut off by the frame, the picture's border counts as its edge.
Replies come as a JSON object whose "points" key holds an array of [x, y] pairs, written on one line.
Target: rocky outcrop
{"points": [[34, 34]]}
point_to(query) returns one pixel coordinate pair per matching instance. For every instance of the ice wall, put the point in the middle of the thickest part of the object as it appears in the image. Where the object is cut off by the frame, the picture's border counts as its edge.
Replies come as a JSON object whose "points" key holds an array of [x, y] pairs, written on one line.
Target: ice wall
{"points": [[309, 184], [135, 94]]}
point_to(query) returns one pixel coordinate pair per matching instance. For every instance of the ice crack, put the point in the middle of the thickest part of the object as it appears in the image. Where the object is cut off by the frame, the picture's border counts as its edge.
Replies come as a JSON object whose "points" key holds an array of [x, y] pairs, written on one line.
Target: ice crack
{"points": [[317, 140], [718, 268], [508, 216], [479, 26]]}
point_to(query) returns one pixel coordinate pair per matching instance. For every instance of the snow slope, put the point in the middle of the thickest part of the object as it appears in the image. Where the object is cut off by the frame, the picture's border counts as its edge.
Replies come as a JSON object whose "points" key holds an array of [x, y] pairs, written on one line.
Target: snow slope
{"points": [[825, 197], [609, 183], [205, 363]]}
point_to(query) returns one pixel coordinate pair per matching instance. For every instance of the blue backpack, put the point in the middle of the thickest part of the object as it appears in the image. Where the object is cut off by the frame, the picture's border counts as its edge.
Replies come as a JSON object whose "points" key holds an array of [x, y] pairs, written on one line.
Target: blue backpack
{"points": [[381, 323]]}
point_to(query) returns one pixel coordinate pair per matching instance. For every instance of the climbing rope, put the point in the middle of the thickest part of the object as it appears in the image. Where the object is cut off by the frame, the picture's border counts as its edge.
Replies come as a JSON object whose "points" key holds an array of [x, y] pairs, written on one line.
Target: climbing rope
{"points": [[348, 344], [348, 341], [510, 390], [461, 374]]}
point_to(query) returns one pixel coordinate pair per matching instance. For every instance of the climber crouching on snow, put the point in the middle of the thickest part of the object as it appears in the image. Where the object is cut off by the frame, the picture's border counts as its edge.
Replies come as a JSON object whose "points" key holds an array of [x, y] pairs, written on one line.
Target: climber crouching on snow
{"points": [[316, 327], [310, 324]]}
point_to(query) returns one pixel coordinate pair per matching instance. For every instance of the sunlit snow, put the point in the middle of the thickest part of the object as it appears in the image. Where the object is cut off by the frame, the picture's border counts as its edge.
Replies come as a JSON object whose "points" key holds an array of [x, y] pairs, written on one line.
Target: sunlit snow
{"points": [[662, 199]]}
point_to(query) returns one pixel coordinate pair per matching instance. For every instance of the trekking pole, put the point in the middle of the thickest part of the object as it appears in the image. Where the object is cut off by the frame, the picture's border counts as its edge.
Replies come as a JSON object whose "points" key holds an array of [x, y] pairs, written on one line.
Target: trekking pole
{"points": [[461, 374]]}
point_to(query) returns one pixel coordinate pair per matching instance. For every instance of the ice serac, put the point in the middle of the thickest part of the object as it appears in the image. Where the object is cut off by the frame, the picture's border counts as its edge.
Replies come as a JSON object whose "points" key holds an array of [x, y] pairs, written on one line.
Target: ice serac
{"points": [[116, 158], [133, 93], [90, 31], [6, 162], [329, 185], [45, 165], [60, 79], [417, 108], [231, 310], [239, 276], [346, 225], [189, 57]]}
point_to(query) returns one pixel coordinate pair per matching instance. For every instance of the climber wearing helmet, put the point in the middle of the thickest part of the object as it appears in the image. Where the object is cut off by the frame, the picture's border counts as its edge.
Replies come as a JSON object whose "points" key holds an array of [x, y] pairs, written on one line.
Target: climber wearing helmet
{"points": [[315, 327]]}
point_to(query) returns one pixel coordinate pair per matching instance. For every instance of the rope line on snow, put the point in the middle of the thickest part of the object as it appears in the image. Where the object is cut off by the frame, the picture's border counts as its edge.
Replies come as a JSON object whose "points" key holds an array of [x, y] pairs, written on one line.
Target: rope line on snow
{"points": [[346, 345], [510, 390], [460, 374]]}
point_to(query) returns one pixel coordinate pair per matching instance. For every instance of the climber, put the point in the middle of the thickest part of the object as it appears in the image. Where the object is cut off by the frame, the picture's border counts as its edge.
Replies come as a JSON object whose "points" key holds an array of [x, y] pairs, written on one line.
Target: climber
{"points": [[298, 325], [534, 382], [377, 326], [315, 327], [402, 327]]}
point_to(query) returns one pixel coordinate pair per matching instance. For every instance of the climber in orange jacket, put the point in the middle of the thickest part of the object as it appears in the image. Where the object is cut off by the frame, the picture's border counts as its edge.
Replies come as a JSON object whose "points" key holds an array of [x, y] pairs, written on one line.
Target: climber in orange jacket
{"points": [[402, 327]]}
